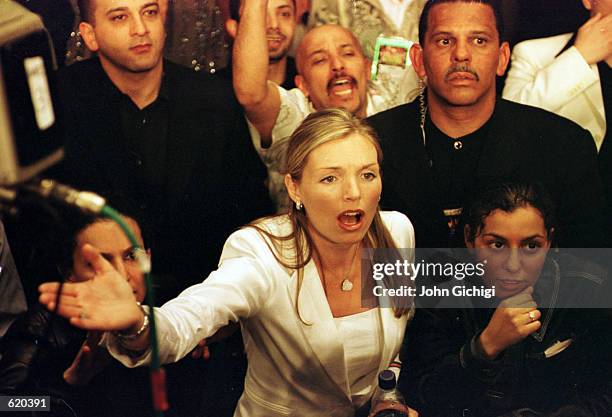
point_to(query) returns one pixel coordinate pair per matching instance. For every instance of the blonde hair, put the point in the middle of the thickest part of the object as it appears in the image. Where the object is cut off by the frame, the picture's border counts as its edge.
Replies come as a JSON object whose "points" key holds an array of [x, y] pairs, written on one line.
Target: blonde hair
{"points": [[319, 128]]}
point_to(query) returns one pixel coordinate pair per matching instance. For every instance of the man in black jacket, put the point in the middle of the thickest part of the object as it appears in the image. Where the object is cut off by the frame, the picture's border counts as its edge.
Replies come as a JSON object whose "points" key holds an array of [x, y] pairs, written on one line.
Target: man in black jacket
{"points": [[460, 136], [170, 140]]}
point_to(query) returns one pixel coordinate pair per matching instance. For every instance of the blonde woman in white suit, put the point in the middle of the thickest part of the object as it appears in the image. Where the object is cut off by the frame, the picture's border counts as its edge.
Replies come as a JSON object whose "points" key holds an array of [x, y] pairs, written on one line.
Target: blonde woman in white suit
{"points": [[292, 281]]}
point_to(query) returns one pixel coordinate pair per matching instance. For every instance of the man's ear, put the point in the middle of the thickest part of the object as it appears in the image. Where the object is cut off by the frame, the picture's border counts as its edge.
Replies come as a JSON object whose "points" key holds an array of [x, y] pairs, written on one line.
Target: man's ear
{"points": [[301, 84], [416, 57], [292, 189], [504, 58], [89, 36], [588, 4], [231, 26]]}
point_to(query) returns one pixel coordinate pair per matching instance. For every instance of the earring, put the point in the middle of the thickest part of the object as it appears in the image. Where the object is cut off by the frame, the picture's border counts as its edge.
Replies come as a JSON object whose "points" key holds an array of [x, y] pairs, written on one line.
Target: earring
{"points": [[298, 205]]}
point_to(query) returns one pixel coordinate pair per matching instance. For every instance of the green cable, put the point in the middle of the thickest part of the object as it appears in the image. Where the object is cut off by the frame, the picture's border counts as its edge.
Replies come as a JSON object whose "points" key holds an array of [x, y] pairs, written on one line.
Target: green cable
{"points": [[145, 265]]}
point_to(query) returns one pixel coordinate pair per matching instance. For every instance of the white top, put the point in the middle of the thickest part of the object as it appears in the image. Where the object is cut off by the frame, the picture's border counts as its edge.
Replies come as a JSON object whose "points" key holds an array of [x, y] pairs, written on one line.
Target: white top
{"points": [[296, 364], [359, 334], [560, 82], [395, 11], [295, 106]]}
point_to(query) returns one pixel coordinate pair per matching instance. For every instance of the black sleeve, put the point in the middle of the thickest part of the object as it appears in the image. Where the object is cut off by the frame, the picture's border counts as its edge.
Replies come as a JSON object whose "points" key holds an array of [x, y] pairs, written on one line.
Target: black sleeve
{"points": [[19, 350], [12, 299], [592, 384], [442, 371], [581, 206]]}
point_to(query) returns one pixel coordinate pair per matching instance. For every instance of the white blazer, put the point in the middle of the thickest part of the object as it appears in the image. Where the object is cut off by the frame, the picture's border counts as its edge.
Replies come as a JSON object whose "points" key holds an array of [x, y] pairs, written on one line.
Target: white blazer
{"points": [[295, 369], [562, 83]]}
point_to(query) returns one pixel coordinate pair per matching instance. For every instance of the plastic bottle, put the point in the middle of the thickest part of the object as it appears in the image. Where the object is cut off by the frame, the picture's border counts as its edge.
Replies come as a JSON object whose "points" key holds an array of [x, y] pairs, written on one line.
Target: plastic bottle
{"points": [[387, 400]]}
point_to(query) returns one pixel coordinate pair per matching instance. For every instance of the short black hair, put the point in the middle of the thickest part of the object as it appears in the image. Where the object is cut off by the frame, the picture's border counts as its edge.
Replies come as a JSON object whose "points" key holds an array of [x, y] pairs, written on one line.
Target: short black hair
{"points": [[509, 196], [423, 21], [86, 10], [234, 8]]}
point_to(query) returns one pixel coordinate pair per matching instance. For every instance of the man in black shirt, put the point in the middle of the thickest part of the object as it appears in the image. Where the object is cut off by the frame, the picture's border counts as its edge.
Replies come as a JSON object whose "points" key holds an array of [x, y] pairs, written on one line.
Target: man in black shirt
{"points": [[459, 136], [160, 136], [171, 143]]}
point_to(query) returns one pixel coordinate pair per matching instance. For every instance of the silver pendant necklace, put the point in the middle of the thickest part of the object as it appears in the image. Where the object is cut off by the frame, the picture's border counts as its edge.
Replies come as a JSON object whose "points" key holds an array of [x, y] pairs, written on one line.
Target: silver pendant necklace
{"points": [[347, 284]]}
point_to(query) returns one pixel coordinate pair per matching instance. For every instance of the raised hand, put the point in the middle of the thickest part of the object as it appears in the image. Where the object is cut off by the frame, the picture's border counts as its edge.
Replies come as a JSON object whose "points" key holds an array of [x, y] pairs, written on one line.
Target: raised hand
{"points": [[201, 350], [514, 319], [104, 302], [90, 360], [594, 39]]}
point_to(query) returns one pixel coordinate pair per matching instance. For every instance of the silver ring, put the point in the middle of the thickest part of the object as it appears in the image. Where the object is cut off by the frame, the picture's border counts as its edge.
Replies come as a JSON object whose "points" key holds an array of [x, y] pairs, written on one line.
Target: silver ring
{"points": [[532, 316]]}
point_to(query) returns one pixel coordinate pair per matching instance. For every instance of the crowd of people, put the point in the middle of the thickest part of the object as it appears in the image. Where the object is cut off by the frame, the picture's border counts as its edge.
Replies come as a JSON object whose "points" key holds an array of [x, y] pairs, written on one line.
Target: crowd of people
{"points": [[261, 189]]}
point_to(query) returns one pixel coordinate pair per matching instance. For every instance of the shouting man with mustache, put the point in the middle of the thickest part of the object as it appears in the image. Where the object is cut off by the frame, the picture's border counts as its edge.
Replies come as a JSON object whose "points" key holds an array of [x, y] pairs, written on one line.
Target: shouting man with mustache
{"points": [[332, 72], [459, 136]]}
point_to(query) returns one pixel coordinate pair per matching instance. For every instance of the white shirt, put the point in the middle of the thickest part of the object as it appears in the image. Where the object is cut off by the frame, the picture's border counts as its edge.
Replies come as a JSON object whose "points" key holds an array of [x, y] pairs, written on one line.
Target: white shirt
{"points": [[359, 334], [395, 10]]}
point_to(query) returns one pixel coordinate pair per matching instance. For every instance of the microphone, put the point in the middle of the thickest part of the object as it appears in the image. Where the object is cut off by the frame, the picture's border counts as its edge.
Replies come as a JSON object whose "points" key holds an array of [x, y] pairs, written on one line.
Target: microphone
{"points": [[85, 201]]}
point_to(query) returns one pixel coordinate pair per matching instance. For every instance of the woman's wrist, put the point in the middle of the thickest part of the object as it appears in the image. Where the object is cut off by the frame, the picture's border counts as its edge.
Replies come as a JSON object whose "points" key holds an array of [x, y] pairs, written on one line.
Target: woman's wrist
{"points": [[133, 337], [486, 347]]}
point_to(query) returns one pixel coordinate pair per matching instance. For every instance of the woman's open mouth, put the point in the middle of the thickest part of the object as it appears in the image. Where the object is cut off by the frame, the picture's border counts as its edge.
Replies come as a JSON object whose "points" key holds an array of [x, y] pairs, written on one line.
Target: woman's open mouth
{"points": [[351, 219]]}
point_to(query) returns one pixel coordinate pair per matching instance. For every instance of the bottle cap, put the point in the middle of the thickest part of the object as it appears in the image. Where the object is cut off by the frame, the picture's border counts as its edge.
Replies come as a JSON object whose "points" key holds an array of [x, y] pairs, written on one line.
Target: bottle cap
{"points": [[386, 379]]}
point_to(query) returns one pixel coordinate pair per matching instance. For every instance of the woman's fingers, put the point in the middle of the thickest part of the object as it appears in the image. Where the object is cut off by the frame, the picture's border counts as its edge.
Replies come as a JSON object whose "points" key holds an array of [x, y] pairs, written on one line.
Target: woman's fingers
{"points": [[54, 287], [532, 316], [97, 261], [523, 299], [49, 292], [68, 311]]}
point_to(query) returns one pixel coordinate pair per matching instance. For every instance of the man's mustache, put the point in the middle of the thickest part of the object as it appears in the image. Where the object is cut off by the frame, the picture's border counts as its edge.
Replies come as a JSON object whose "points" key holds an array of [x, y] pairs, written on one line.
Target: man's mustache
{"points": [[462, 68], [342, 74], [275, 33]]}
